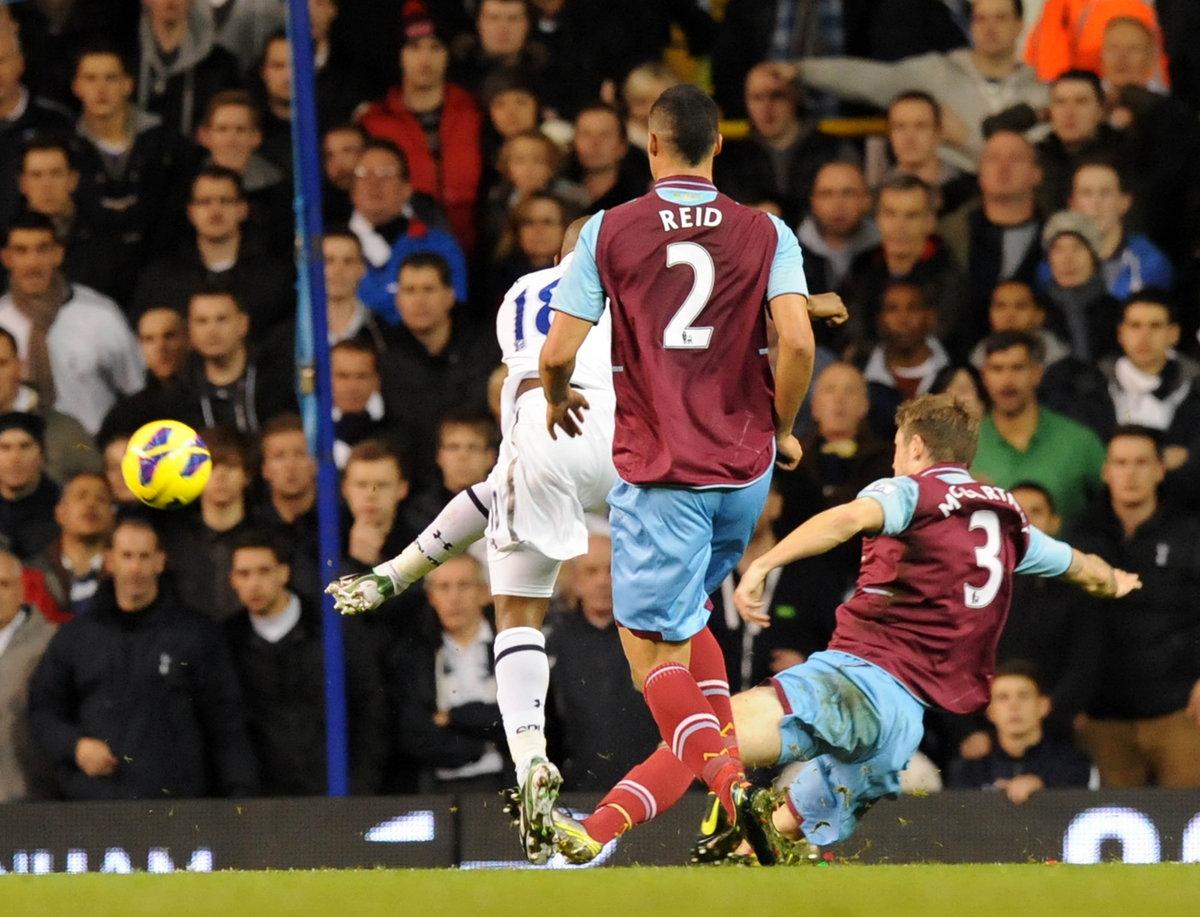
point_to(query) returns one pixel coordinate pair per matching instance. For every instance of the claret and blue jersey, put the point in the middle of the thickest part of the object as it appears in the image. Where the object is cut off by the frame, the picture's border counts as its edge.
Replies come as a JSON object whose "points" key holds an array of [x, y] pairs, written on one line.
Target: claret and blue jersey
{"points": [[941, 527], [688, 273]]}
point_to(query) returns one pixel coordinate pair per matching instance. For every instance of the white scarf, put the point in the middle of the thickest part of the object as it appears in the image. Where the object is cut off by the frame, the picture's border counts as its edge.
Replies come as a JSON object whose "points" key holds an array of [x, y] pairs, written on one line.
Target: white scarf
{"points": [[375, 247], [1134, 399]]}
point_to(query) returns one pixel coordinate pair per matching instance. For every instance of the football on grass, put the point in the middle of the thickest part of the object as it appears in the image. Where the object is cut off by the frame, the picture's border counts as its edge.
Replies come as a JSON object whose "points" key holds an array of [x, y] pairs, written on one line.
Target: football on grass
{"points": [[166, 464]]}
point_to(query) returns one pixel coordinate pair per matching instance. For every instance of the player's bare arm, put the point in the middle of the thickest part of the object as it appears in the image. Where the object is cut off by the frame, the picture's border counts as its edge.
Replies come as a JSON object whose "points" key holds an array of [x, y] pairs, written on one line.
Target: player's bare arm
{"points": [[793, 371], [828, 308], [564, 405], [821, 533], [1097, 577]]}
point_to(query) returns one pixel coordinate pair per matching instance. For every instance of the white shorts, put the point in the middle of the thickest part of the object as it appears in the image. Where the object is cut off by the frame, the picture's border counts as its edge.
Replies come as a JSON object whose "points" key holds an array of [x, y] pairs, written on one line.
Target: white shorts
{"points": [[541, 489]]}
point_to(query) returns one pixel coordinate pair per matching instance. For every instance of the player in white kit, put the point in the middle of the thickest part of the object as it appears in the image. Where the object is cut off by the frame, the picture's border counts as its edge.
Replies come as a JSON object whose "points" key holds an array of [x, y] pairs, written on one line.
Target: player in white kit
{"points": [[536, 499]]}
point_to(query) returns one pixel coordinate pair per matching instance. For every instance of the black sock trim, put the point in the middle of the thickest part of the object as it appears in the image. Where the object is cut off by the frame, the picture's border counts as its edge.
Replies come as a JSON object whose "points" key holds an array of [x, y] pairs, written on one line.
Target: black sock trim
{"points": [[516, 649], [478, 503]]}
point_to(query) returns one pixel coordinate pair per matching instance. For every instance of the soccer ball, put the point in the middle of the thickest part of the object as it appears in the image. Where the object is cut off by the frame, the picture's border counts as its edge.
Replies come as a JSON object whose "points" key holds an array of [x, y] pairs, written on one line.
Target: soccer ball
{"points": [[166, 464]]}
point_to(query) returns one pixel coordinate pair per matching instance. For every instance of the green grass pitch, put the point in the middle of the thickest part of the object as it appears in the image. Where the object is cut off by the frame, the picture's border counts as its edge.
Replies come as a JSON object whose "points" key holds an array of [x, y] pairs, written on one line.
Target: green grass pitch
{"points": [[880, 891]]}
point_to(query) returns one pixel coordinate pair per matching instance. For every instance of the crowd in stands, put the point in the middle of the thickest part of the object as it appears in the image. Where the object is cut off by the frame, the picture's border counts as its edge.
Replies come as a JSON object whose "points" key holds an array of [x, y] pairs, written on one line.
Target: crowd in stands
{"points": [[1017, 222]]}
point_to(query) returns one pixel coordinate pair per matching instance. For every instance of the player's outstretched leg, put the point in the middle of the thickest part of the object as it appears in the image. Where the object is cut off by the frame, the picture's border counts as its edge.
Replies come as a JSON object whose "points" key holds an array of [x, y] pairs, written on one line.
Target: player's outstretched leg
{"points": [[460, 524]]}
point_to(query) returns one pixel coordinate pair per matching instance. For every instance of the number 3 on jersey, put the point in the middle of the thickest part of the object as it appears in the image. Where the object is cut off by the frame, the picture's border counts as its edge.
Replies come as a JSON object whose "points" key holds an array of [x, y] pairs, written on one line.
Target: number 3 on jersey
{"points": [[680, 334], [987, 557]]}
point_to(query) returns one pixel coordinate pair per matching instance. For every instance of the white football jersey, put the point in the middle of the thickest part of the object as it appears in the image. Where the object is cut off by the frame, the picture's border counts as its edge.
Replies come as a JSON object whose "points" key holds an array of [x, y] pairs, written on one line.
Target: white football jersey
{"points": [[521, 328]]}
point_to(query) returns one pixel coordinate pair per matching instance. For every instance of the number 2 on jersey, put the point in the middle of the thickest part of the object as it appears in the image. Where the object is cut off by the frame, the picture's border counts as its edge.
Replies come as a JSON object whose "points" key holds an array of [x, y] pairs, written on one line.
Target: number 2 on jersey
{"points": [[680, 334], [987, 557]]}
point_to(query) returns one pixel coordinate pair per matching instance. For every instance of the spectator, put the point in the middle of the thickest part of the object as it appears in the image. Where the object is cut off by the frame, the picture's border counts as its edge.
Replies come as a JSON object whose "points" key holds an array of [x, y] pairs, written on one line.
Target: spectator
{"points": [[914, 125], [227, 382], [76, 347], [971, 85], [997, 239], [1149, 383], [225, 252], [277, 647], [339, 80], [1015, 307], [438, 361], [243, 27], [180, 66], [373, 487], [131, 166], [448, 721], [24, 634], [512, 106], [528, 162], [839, 226], [963, 382], [572, 77], [908, 355], [69, 448], [199, 539], [163, 341], [1024, 760], [530, 242], [347, 317], [1021, 440], [341, 145], [641, 89], [1082, 308], [1129, 261], [435, 123], [782, 154], [604, 726], [54, 33], [74, 561], [139, 700], [390, 229], [232, 132], [1078, 133], [1069, 34], [288, 503], [27, 496], [1143, 725], [113, 449], [22, 115], [274, 92], [466, 452], [1160, 138], [359, 411], [908, 252], [842, 455], [602, 161], [500, 42], [48, 182]]}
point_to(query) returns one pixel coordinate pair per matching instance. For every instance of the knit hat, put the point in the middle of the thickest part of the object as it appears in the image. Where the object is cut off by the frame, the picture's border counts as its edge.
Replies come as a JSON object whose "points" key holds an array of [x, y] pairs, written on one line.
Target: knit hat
{"points": [[33, 424], [417, 23], [1069, 222]]}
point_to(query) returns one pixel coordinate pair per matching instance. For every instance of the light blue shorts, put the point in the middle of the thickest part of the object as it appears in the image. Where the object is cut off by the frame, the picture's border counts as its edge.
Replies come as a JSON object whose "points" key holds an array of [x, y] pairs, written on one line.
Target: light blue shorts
{"points": [[856, 726], [672, 546]]}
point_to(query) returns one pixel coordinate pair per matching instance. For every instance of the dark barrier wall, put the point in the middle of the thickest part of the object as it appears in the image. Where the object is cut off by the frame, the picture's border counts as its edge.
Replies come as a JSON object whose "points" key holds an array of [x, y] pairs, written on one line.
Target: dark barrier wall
{"points": [[1137, 826]]}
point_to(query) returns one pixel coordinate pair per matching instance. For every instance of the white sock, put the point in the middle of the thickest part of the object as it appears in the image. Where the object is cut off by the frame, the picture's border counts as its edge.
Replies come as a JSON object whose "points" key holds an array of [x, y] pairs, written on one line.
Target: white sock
{"points": [[459, 525], [522, 679]]}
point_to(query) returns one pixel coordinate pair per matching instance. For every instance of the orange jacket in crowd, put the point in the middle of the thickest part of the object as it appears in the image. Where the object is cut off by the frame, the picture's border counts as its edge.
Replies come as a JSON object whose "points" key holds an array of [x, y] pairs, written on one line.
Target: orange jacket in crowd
{"points": [[1069, 34]]}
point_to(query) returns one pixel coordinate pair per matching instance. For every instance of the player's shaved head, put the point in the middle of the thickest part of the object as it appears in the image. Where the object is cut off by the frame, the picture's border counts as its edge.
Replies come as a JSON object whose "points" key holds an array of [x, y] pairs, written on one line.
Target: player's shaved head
{"points": [[685, 118], [571, 236]]}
